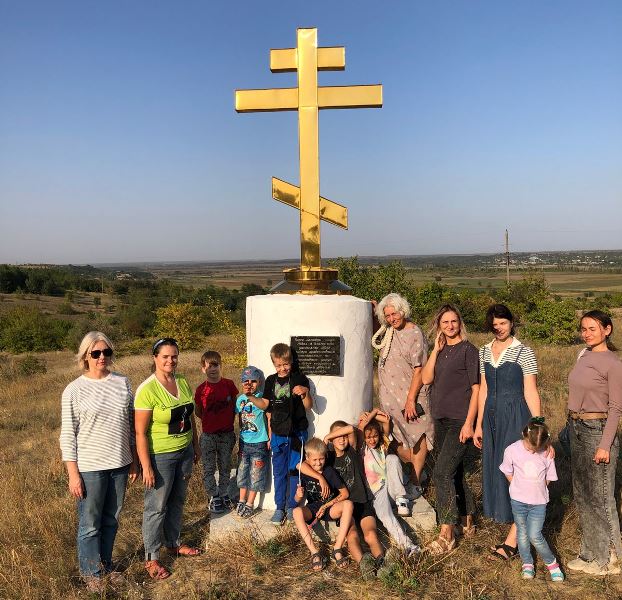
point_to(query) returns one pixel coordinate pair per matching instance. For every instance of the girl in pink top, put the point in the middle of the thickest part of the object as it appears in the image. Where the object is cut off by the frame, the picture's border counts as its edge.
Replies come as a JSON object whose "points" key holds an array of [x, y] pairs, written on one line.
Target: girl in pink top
{"points": [[529, 468]]}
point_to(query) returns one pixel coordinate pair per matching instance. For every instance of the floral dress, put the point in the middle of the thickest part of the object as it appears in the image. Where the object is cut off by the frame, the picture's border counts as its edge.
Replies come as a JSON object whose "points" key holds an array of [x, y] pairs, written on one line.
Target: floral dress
{"points": [[408, 350]]}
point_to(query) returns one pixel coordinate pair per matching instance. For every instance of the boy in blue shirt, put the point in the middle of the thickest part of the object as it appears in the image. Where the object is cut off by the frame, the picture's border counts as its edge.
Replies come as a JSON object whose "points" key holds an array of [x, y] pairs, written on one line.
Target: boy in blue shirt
{"points": [[254, 445]]}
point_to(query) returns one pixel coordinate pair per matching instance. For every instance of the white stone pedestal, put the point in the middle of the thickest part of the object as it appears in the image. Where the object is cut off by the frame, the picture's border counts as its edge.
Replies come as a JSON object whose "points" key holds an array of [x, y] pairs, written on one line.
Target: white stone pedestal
{"points": [[275, 318]]}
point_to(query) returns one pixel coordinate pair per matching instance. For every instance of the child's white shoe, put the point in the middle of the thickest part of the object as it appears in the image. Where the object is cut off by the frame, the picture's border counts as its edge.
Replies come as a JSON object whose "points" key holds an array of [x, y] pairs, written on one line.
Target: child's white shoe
{"points": [[403, 510]]}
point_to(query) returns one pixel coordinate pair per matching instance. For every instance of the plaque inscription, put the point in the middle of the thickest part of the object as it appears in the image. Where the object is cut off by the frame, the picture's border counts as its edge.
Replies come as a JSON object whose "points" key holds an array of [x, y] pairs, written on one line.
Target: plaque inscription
{"points": [[317, 354]]}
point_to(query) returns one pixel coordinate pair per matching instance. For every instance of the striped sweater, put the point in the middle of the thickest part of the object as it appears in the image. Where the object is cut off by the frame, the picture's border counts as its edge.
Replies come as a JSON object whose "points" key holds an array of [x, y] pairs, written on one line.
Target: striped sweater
{"points": [[97, 427]]}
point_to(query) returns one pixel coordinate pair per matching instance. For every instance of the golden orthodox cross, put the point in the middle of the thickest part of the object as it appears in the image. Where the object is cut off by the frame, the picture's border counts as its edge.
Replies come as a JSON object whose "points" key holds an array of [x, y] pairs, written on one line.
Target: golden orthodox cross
{"points": [[307, 59]]}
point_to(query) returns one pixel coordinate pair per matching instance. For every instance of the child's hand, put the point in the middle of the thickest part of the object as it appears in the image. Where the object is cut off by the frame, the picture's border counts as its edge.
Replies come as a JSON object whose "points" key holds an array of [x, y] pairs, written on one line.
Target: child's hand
{"points": [[320, 512], [324, 487], [301, 390], [300, 491]]}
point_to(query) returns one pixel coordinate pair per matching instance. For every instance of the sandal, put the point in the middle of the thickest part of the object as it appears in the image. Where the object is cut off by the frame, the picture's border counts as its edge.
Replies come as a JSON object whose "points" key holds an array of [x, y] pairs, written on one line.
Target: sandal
{"points": [[156, 570], [318, 562], [441, 546], [464, 531], [503, 552], [343, 560], [184, 550]]}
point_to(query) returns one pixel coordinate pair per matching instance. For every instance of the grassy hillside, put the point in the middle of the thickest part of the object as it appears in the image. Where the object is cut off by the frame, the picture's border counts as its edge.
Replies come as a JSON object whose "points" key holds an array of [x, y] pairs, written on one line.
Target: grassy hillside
{"points": [[38, 520]]}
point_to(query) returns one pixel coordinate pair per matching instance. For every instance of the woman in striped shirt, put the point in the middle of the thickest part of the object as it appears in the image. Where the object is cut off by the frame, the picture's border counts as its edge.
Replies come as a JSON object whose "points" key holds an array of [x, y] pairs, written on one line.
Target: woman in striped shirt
{"points": [[508, 397], [97, 445]]}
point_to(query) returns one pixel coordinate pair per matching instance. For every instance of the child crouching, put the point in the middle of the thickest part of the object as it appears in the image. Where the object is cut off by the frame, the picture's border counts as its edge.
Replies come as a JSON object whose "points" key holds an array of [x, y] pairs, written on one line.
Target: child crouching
{"points": [[335, 507], [529, 468]]}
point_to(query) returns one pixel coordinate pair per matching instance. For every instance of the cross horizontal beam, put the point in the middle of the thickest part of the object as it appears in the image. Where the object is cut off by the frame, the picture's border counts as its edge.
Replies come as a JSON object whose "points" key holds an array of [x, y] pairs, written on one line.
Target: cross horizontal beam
{"points": [[330, 211], [279, 99], [285, 60]]}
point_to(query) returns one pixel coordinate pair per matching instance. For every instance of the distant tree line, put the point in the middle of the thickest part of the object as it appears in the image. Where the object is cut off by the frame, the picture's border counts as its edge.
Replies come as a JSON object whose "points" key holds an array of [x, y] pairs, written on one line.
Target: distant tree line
{"points": [[542, 315]]}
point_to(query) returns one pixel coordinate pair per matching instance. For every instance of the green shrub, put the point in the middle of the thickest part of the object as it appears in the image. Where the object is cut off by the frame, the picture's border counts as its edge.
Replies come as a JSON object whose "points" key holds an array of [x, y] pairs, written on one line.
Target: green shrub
{"points": [[66, 309], [25, 329], [552, 322], [31, 365]]}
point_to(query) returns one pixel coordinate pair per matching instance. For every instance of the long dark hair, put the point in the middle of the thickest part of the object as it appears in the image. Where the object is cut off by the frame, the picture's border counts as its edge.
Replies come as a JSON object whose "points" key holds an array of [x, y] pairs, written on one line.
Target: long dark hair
{"points": [[605, 320]]}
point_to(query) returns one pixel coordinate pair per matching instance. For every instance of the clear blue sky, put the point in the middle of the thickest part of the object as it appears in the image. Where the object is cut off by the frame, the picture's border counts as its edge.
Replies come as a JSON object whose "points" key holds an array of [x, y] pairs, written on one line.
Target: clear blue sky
{"points": [[119, 140]]}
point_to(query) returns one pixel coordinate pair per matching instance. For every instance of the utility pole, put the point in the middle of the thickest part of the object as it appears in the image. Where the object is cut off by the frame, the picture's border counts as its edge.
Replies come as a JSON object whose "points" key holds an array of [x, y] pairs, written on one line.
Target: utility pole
{"points": [[507, 258]]}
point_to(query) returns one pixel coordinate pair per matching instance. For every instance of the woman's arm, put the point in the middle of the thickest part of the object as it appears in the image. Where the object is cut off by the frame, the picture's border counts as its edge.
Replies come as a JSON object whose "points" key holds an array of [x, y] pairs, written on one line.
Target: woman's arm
{"points": [[481, 403], [427, 373], [142, 420], [195, 442], [413, 391], [76, 487], [532, 397], [468, 429]]}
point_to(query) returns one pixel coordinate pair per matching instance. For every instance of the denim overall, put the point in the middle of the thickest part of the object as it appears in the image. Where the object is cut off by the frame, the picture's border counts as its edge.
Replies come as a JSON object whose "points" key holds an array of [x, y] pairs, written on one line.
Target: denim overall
{"points": [[505, 415]]}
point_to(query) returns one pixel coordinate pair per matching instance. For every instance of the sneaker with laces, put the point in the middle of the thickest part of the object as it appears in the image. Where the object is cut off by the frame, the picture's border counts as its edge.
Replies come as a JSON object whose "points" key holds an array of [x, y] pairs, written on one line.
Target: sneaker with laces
{"points": [[247, 511], [278, 517], [240, 505], [528, 571], [403, 510], [290, 515], [216, 505]]}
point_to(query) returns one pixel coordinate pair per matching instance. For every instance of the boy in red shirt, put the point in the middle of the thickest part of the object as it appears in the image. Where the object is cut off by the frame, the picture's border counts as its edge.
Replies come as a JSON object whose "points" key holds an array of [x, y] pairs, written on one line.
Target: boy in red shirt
{"points": [[215, 406]]}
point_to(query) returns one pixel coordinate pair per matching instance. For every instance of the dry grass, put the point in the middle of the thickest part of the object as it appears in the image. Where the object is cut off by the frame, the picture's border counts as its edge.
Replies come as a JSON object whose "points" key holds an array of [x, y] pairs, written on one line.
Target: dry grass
{"points": [[38, 521]]}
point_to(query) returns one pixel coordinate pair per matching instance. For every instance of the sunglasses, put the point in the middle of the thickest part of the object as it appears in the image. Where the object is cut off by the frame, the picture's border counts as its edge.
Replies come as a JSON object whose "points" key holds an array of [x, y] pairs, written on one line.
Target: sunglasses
{"points": [[107, 352]]}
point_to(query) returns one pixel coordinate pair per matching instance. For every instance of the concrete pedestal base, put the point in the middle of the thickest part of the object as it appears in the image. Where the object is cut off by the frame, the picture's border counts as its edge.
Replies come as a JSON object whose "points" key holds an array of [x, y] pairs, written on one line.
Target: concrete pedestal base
{"points": [[275, 318]]}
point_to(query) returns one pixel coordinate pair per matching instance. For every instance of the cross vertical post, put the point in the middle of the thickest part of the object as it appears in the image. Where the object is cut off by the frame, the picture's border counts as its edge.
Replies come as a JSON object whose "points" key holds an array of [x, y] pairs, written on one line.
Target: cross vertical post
{"points": [[308, 98]]}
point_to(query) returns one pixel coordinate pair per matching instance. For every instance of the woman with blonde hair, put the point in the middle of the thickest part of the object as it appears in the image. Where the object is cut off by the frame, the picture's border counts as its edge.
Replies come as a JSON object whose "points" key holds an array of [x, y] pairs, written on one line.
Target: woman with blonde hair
{"points": [[97, 445], [403, 396], [452, 371]]}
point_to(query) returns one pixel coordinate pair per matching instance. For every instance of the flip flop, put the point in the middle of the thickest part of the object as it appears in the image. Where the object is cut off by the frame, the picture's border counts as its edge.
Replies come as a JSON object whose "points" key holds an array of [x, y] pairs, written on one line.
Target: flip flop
{"points": [[509, 552]]}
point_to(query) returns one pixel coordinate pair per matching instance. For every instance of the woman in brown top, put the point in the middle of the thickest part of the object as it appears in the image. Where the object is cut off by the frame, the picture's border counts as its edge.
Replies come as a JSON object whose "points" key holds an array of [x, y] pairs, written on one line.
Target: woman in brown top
{"points": [[403, 353], [595, 407]]}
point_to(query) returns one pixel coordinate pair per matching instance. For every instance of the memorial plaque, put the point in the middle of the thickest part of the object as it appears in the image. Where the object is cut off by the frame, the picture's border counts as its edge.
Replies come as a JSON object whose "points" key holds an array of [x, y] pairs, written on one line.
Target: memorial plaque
{"points": [[317, 354]]}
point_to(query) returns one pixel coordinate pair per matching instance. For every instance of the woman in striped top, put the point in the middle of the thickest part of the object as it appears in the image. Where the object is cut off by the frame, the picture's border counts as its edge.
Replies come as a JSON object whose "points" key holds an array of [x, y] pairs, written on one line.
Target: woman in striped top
{"points": [[508, 397], [97, 446]]}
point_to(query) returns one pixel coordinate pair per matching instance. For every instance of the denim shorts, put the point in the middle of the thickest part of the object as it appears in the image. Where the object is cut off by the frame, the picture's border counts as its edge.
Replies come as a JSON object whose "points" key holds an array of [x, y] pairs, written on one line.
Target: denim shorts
{"points": [[253, 466]]}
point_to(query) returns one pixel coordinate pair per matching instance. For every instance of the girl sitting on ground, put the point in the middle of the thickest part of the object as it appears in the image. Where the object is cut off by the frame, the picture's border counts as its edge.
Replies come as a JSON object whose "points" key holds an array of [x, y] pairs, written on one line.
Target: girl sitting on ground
{"points": [[384, 476]]}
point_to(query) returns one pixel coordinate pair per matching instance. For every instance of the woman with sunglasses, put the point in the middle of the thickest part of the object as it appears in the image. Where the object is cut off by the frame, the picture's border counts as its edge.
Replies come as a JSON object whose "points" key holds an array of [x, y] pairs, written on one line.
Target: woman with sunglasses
{"points": [[167, 445], [97, 446]]}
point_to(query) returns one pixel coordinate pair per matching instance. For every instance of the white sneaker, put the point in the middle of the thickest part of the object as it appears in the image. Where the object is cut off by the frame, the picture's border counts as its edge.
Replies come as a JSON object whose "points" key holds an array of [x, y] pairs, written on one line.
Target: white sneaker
{"points": [[403, 509]]}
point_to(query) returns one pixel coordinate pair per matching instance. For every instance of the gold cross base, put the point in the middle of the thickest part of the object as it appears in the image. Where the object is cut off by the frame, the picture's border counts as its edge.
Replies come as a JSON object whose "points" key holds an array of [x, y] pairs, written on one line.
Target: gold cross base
{"points": [[314, 281]]}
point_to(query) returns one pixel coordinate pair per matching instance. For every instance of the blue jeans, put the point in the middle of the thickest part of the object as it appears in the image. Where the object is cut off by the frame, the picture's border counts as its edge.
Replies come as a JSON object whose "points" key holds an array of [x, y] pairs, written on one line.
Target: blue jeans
{"points": [[285, 457], [529, 519], [253, 466], [98, 518], [164, 503]]}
